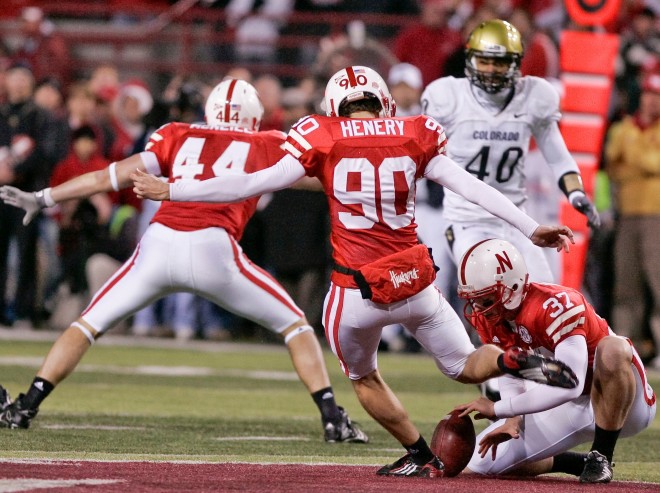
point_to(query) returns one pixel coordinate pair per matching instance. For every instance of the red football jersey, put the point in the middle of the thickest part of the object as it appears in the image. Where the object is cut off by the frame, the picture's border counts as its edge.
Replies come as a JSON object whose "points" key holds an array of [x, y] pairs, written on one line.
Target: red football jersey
{"points": [[368, 168], [199, 152], [549, 314]]}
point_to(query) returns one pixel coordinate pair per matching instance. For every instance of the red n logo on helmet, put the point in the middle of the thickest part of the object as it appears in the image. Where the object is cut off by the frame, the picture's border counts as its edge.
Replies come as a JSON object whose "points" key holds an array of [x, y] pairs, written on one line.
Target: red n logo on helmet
{"points": [[504, 261]]}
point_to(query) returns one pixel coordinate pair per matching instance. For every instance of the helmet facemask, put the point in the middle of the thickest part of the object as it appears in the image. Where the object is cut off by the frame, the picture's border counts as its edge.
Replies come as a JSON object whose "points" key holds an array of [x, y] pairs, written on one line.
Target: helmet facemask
{"points": [[495, 81]]}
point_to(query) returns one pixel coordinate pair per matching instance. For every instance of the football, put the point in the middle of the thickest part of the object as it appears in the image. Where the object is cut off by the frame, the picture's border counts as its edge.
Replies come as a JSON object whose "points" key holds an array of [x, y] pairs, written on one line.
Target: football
{"points": [[453, 442]]}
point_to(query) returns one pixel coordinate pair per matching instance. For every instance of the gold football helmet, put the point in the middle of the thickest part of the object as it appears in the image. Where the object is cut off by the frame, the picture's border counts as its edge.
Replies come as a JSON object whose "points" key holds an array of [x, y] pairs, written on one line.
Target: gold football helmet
{"points": [[494, 39]]}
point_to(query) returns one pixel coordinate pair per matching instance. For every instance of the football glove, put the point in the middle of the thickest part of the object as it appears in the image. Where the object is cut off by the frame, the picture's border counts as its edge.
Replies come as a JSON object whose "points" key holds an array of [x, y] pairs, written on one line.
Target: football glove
{"points": [[30, 202], [581, 203]]}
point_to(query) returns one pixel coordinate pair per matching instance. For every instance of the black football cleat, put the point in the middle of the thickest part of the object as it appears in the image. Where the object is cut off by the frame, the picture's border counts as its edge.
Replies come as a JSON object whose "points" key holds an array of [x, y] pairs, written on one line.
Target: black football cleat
{"points": [[13, 414], [530, 366], [344, 431], [597, 469], [407, 467]]}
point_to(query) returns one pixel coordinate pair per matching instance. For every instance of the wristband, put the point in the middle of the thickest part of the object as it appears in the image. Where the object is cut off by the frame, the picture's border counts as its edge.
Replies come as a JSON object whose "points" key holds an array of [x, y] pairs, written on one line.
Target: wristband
{"points": [[44, 198], [575, 194], [112, 170]]}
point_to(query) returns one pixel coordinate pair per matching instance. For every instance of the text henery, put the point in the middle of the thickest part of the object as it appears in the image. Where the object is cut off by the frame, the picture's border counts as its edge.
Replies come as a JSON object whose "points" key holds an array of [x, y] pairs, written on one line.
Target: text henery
{"points": [[362, 128]]}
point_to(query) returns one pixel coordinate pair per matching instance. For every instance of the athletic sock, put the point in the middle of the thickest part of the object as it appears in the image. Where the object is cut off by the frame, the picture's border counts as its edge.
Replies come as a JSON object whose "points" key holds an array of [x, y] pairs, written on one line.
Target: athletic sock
{"points": [[420, 452], [37, 392], [605, 441], [325, 401], [569, 463]]}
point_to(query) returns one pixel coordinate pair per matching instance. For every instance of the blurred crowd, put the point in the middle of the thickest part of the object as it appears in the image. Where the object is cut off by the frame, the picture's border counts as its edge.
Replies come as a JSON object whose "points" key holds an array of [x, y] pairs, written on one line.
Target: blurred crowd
{"points": [[56, 124]]}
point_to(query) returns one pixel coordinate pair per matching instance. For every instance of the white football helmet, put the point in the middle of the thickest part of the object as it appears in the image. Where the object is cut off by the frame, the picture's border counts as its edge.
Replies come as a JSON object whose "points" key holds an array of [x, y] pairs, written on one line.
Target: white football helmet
{"points": [[234, 103], [355, 83], [492, 276]]}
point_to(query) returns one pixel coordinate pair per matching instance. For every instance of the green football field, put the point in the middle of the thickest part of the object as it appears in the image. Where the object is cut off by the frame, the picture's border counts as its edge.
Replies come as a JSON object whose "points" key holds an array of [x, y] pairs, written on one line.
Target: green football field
{"points": [[212, 402]]}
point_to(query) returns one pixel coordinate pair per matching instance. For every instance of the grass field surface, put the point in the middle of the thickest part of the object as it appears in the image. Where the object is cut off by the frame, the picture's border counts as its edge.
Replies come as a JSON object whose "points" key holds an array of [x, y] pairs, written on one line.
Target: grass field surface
{"points": [[229, 402]]}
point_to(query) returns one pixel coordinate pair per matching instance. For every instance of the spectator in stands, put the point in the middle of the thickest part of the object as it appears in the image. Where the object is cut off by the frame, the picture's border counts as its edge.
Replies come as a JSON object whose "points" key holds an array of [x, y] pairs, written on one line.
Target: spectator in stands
{"points": [[80, 221], [428, 43], [354, 47], [81, 107], [269, 88], [405, 82], [455, 64], [42, 48], [257, 26], [541, 54], [48, 95], [132, 104], [104, 85], [29, 150], [632, 155], [640, 46]]}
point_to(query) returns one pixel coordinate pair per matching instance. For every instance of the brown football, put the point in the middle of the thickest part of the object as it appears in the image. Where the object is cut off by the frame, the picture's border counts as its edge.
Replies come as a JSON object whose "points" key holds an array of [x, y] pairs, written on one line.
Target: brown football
{"points": [[453, 442]]}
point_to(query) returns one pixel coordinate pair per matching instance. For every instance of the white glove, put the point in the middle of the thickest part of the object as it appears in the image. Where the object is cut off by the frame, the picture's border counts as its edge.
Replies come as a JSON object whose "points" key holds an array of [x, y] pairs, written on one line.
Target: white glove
{"points": [[30, 202]]}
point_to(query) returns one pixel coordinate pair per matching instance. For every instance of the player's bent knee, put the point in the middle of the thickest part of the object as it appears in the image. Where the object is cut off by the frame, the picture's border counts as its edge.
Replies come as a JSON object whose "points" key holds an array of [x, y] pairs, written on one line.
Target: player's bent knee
{"points": [[613, 353], [88, 331], [295, 332]]}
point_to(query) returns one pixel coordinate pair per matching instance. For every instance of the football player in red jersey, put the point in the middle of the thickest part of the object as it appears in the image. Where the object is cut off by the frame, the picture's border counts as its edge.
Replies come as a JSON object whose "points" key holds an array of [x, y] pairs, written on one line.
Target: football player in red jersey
{"points": [[613, 396], [190, 247], [368, 163]]}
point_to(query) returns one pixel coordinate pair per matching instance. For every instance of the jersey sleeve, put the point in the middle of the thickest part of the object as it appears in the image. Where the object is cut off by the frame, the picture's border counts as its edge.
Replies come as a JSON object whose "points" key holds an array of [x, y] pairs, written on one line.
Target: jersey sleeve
{"points": [[543, 102], [563, 315], [439, 102], [305, 138], [159, 145], [432, 134]]}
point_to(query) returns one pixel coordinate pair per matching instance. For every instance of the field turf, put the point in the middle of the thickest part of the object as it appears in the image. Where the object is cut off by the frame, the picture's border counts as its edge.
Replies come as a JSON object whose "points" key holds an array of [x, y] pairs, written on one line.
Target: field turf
{"points": [[161, 401]]}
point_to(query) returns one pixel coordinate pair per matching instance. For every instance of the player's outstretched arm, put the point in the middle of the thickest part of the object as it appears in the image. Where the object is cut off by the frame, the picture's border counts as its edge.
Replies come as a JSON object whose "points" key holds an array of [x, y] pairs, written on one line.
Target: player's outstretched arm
{"points": [[227, 186], [446, 172], [114, 177]]}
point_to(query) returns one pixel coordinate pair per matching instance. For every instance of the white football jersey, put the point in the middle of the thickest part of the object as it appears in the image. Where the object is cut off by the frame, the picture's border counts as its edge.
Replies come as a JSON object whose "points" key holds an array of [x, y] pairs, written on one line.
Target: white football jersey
{"points": [[491, 146]]}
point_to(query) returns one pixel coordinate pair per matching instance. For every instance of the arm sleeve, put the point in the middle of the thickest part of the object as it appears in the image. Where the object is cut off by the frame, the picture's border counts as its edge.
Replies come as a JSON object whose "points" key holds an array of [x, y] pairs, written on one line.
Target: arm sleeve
{"points": [[234, 187], [551, 143], [443, 170], [510, 386], [573, 352]]}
